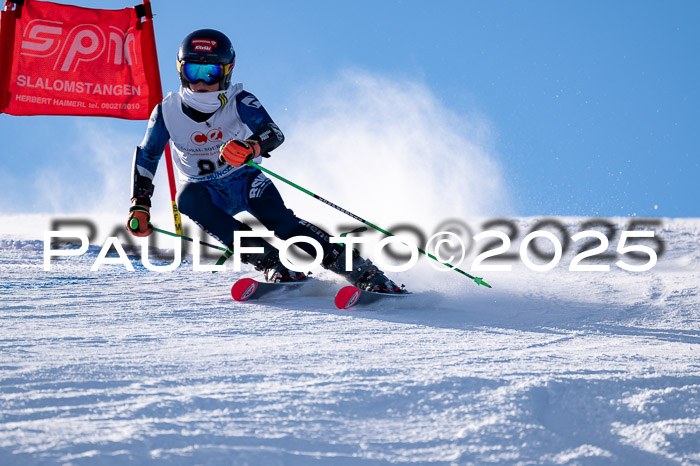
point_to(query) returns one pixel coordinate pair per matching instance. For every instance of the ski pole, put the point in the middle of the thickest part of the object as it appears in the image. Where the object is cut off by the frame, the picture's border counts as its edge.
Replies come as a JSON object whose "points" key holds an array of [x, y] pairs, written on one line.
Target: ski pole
{"points": [[477, 280], [134, 225], [227, 252]]}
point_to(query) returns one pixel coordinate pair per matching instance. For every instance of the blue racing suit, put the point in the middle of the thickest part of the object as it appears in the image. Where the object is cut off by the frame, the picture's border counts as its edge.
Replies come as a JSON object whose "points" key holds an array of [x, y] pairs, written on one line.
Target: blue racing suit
{"points": [[212, 192]]}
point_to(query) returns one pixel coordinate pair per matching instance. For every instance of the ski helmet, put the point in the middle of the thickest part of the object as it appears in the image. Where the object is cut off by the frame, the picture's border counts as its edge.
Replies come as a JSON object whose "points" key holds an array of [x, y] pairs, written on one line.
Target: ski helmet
{"points": [[206, 47]]}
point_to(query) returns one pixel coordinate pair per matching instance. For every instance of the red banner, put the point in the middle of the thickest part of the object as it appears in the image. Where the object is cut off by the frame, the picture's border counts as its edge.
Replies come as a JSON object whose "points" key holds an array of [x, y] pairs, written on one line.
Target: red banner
{"points": [[68, 60]]}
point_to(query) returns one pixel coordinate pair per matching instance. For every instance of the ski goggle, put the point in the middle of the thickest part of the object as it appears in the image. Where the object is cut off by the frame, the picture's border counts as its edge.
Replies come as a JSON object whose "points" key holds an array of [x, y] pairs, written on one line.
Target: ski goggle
{"points": [[206, 72]]}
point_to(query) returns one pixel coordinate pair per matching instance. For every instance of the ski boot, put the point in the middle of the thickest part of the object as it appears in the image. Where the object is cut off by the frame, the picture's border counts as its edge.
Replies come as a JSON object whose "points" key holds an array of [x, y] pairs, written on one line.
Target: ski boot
{"points": [[375, 280], [364, 274], [276, 272], [268, 261]]}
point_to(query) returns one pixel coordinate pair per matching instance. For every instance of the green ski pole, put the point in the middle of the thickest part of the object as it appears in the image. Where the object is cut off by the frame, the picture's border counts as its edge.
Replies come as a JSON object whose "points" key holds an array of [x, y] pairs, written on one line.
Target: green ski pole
{"points": [[227, 252], [477, 280], [134, 225]]}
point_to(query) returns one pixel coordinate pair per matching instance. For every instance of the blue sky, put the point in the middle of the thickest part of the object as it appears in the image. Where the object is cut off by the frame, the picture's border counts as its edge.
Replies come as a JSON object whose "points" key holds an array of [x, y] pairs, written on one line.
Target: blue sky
{"points": [[589, 108]]}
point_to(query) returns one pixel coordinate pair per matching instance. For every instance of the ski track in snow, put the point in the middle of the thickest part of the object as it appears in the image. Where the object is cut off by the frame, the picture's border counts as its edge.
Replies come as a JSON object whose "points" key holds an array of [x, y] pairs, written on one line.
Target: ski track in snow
{"points": [[559, 367]]}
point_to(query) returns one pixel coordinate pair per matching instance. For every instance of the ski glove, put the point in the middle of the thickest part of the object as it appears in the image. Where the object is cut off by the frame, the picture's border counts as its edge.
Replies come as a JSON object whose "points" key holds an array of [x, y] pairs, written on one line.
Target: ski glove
{"points": [[139, 221], [236, 152]]}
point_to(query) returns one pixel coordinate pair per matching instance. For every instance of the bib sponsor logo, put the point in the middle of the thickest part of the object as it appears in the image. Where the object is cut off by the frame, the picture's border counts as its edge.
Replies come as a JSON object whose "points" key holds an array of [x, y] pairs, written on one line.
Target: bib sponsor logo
{"points": [[199, 138]]}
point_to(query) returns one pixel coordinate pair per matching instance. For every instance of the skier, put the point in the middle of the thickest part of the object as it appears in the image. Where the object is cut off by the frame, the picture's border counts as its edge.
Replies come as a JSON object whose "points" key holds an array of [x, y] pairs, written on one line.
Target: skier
{"points": [[216, 127]]}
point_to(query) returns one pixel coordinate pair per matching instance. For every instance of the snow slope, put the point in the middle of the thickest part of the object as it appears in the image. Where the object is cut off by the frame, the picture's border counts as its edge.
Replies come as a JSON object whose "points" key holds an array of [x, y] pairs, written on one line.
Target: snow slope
{"points": [[556, 367]]}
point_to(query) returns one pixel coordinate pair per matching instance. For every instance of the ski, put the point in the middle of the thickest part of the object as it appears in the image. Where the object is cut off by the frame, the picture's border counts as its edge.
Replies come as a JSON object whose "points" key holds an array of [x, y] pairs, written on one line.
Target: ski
{"points": [[350, 296], [246, 289]]}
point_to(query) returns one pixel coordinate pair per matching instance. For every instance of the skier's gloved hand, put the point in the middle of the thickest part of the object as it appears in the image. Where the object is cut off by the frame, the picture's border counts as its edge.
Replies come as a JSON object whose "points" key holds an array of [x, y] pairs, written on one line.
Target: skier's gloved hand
{"points": [[236, 152], [138, 223]]}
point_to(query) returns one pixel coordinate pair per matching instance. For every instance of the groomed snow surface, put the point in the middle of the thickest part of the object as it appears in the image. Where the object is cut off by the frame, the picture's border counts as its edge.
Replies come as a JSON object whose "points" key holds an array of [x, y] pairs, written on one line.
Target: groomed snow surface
{"points": [[557, 367]]}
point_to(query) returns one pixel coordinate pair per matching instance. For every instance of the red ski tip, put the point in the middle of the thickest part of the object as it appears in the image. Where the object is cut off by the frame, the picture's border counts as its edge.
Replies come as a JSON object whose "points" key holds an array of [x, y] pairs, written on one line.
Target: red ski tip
{"points": [[243, 289], [347, 297]]}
